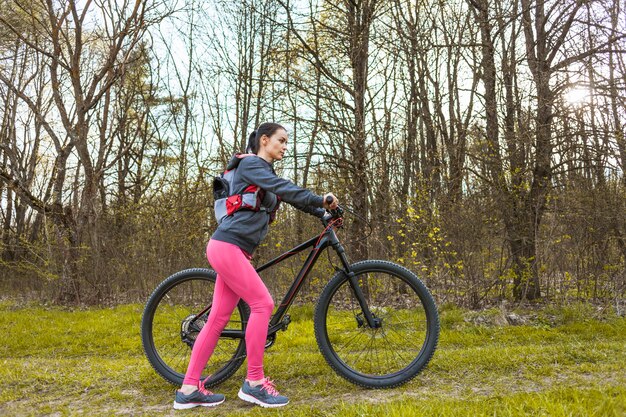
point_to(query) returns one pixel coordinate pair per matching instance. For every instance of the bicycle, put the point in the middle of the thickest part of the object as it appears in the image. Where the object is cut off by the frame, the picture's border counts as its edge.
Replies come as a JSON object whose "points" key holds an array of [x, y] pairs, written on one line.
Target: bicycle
{"points": [[375, 322]]}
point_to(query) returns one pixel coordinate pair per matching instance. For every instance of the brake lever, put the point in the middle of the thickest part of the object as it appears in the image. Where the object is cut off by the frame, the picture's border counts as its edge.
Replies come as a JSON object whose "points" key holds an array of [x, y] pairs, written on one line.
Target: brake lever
{"points": [[334, 214]]}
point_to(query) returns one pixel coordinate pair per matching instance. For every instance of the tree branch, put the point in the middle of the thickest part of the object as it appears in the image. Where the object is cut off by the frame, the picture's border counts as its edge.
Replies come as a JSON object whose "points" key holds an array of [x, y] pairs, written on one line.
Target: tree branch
{"points": [[600, 48]]}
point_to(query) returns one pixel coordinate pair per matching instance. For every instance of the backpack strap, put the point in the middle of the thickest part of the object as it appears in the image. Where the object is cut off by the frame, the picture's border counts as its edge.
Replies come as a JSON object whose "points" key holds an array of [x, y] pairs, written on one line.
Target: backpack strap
{"points": [[236, 159]]}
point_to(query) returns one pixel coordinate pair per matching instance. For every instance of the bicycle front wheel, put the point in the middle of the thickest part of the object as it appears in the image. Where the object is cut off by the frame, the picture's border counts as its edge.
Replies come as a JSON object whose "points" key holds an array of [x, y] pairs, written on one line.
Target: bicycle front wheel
{"points": [[394, 351], [175, 313]]}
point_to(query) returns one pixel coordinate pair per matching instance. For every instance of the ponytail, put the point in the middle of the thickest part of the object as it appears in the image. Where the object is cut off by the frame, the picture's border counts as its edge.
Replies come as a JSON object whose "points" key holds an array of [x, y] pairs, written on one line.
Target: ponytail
{"points": [[253, 143], [268, 129]]}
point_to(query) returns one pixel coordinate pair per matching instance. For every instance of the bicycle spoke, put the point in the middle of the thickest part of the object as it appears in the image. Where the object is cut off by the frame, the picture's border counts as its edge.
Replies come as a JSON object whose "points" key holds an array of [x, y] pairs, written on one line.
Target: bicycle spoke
{"points": [[180, 361], [356, 337], [356, 360], [400, 335], [396, 352]]}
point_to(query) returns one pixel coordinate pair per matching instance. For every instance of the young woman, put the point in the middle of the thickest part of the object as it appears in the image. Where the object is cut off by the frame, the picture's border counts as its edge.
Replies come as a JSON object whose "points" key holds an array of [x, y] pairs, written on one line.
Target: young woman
{"points": [[229, 252]]}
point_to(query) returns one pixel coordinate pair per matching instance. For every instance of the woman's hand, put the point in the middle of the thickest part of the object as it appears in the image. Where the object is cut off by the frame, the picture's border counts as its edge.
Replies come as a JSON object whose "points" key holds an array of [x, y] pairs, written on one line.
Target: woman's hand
{"points": [[332, 205]]}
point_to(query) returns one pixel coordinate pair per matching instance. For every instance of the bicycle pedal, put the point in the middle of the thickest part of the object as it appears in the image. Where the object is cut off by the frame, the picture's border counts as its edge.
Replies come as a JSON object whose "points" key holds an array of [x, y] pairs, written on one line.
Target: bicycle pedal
{"points": [[286, 321]]}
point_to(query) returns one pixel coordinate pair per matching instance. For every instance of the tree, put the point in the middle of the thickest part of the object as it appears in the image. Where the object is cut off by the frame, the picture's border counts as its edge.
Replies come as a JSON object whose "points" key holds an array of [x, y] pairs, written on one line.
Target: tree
{"points": [[82, 65]]}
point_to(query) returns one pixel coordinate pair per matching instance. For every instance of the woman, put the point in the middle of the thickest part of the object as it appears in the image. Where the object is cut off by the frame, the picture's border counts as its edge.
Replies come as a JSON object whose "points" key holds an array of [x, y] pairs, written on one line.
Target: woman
{"points": [[229, 252]]}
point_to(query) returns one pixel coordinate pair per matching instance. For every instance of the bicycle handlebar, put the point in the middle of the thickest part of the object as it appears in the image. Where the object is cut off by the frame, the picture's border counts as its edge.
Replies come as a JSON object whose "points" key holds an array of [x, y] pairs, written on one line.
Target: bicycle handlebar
{"points": [[334, 213]]}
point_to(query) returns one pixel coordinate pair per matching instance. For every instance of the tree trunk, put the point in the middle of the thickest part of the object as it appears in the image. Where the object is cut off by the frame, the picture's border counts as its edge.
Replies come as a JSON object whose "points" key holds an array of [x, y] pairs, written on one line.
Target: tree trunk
{"points": [[359, 22]]}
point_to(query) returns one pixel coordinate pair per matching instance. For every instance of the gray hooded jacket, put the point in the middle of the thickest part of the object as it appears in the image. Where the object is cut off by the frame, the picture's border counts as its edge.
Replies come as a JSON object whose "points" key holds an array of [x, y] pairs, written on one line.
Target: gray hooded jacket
{"points": [[247, 228]]}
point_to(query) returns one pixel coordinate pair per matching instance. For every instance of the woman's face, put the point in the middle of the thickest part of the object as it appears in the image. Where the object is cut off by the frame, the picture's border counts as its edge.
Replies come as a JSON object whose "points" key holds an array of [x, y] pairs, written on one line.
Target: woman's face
{"points": [[274, 146]]}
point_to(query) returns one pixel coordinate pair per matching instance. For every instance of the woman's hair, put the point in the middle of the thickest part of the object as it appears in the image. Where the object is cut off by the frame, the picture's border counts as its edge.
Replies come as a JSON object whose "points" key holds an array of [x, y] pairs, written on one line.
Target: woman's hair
{"points": [[268, 129]]}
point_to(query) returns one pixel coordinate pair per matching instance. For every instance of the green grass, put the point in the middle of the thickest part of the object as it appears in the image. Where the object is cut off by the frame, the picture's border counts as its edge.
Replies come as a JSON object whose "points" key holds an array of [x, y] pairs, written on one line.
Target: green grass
{"points": [[90, 362]]}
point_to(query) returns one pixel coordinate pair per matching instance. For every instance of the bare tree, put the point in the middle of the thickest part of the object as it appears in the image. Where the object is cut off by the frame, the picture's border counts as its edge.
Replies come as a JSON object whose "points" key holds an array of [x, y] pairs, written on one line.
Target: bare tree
{"points": [[81, 79]]}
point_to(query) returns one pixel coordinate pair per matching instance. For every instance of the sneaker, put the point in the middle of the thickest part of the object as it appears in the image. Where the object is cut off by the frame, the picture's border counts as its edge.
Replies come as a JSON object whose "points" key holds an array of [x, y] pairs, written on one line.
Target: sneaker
{"points": [[264, 395], [201, 397]]}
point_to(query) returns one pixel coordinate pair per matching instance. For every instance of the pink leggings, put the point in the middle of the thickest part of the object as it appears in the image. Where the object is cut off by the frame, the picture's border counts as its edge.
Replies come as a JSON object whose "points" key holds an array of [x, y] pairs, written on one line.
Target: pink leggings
{"points": [[236, 278]]}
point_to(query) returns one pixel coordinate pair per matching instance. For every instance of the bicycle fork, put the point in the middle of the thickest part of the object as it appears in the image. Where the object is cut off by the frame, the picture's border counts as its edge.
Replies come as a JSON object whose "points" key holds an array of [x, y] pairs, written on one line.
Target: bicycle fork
{"points": [[372, 321]]}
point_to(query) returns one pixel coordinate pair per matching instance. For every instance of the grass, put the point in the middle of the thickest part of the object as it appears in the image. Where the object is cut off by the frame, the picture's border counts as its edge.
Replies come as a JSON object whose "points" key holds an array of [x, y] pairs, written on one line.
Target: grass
{"points": [[90, 362]]}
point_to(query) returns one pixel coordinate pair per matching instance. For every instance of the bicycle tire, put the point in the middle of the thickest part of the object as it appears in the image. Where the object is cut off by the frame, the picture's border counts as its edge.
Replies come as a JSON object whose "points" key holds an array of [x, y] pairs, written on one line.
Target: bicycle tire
{"points": [[409, 325], [179, 308]]}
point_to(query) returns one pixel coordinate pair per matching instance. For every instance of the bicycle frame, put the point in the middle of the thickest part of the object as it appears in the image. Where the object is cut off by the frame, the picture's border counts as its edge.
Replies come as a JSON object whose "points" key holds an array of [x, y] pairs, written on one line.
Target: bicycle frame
{"points": [[352, 338], [319, 243]]}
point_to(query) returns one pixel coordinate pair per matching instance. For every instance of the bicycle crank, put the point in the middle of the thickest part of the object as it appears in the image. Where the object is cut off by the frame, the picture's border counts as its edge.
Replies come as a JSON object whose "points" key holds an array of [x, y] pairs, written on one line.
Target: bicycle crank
{"points": [[284, 324]]}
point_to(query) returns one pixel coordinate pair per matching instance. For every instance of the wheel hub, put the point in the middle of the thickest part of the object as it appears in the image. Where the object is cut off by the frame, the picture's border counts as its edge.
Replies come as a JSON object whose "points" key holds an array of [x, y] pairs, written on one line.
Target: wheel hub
{"points": [[360, 321]]}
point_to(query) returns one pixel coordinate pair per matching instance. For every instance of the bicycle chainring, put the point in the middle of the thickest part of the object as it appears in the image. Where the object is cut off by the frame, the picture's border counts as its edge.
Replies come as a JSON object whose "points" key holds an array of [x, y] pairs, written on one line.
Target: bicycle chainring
{"points": [[270, 340]]}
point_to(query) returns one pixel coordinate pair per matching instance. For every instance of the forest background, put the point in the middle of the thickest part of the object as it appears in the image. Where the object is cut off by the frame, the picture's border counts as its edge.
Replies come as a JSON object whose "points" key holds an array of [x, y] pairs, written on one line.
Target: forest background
{"points": [[479, 143]]}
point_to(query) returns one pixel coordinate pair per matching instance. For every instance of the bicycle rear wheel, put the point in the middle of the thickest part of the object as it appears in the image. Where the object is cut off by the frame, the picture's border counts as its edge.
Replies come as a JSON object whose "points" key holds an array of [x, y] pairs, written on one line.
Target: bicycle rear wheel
{"points": [[391, 354], [174, 315]]}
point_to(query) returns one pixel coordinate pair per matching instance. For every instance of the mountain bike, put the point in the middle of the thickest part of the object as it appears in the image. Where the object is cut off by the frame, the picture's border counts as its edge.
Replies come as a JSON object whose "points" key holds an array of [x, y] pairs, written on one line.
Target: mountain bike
{"points": [[375, 322]]}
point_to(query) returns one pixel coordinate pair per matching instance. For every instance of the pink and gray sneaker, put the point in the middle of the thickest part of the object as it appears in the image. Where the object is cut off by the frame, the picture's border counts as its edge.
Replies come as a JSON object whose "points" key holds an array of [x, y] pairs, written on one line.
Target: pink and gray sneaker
{"points": [[264, 395], [202, 397]]}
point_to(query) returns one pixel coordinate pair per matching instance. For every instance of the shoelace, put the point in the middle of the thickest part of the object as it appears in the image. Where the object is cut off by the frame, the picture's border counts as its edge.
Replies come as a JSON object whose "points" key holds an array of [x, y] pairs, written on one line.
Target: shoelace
{"points": [[202, 389], [269, 386]]}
